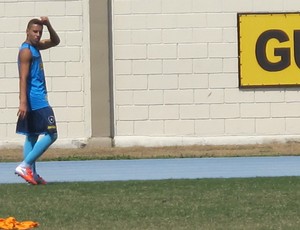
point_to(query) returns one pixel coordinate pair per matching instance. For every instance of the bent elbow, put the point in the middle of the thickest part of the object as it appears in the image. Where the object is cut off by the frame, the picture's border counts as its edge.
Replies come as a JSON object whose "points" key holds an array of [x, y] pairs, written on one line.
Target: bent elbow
{"points": [[55, 42]]}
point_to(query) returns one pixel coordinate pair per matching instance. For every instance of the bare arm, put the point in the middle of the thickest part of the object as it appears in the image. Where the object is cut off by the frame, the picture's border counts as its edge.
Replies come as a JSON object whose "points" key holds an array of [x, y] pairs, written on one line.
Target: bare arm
{"points": [[54, 38], [25, 60]]}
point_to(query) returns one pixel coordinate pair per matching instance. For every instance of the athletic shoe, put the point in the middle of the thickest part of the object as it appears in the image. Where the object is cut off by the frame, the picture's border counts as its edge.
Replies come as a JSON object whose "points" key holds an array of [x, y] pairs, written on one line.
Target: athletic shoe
{"points": [[26, 174], [39, 179]]}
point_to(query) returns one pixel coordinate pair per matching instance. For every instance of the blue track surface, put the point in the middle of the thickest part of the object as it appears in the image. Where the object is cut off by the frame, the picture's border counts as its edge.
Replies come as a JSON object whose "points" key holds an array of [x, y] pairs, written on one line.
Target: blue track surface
{"points": [[158, 169]]}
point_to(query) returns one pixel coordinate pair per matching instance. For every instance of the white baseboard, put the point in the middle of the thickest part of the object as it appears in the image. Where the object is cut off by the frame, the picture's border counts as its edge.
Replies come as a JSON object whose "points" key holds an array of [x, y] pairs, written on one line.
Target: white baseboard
{"points": [[130, 141], [126, 141]]}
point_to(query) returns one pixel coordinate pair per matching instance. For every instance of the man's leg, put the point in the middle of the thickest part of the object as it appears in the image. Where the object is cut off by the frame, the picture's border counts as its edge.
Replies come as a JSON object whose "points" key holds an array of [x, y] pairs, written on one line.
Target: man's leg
{"points": [[25, 170], [40, 147], [30, 141]]}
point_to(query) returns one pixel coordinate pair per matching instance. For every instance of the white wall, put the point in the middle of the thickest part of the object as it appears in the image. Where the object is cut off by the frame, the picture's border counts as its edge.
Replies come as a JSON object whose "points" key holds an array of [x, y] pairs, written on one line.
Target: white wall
{"points": [[65, 65], [176, 76], [175, 73]]}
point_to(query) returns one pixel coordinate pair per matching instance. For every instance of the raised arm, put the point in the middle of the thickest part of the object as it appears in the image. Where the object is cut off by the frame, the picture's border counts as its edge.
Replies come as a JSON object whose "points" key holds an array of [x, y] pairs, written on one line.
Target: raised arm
{"points": [[54, 38]]}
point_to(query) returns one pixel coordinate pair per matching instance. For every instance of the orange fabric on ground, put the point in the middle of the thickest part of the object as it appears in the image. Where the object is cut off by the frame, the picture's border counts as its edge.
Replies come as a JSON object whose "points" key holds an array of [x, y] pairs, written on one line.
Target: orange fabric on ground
{"points": [[11, 223]]}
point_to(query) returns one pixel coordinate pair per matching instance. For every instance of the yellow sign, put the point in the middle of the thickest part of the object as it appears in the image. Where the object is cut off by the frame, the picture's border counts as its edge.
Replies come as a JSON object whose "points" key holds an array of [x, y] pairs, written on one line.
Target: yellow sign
{"points": [[269, 49]]}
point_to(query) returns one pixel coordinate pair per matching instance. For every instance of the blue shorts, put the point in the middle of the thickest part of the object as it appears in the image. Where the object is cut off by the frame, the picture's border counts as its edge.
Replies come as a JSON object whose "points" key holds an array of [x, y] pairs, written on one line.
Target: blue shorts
{"points": [[40, 121]]}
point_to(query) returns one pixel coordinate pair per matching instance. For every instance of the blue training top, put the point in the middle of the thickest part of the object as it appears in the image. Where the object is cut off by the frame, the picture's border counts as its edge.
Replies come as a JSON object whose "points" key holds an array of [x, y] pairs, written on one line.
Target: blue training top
{"points": [[36, 83]]}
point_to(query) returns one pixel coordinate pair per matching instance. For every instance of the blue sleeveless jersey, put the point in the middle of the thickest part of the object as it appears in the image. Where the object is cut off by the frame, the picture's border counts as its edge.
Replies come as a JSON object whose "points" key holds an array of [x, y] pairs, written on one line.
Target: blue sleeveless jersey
{"points": [[36, 84]]}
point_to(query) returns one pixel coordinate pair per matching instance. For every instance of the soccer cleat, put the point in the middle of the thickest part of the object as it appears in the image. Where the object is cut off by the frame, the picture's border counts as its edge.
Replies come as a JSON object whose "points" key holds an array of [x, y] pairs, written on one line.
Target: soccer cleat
{"points": [[39, 179], [26, 174]]}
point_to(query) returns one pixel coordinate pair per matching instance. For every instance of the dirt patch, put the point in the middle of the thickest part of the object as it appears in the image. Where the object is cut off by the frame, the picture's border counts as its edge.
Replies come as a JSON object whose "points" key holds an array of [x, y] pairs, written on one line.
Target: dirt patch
{"points": [[273, 149]]}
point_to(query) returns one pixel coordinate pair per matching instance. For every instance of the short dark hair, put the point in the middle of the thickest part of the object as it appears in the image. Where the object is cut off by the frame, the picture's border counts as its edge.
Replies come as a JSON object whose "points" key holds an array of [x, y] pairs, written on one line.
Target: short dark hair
{"points": [[34, 21]]}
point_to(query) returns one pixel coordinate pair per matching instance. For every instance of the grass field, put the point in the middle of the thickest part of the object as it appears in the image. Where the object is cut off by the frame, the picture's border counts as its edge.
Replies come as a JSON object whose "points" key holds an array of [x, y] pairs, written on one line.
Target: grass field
{"points": [[257, 203]]}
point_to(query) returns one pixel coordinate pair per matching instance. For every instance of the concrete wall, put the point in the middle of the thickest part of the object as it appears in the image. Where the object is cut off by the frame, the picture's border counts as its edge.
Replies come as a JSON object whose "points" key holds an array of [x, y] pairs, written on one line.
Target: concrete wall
{"points": [[66, 66], [176, 76], [174, 69]]}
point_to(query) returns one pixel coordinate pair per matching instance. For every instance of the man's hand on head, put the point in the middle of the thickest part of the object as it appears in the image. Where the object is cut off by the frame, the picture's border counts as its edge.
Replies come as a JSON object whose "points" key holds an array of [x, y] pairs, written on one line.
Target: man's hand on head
{"points": [[45, 21]]}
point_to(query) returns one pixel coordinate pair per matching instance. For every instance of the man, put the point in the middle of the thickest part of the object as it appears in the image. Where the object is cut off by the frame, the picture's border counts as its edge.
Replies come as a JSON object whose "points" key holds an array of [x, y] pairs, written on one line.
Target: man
{"points": [[35, 115]]}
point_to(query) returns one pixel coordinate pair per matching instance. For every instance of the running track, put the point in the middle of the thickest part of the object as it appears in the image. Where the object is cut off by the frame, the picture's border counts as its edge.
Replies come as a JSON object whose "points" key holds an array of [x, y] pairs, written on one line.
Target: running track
{"points": [[158, 169]]}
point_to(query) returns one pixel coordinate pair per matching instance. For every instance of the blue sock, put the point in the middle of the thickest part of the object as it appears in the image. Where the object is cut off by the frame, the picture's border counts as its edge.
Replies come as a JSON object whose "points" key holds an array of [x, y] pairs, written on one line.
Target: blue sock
{"points": [[28, 146], [38, 148]]}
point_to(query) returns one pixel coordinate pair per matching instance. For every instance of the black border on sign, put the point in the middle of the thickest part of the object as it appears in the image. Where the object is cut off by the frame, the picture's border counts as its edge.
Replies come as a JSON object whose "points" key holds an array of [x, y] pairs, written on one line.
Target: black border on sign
{"points": [[239, 52]]}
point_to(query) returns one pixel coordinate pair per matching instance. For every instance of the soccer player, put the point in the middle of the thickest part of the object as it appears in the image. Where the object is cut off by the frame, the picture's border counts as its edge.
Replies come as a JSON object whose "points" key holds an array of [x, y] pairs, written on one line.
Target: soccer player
{"points": [[35, 115]]}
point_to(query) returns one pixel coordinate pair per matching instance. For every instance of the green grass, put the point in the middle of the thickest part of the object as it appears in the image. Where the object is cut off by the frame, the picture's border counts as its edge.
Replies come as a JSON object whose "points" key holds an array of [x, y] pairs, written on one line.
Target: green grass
{"points": [[256, 203]]}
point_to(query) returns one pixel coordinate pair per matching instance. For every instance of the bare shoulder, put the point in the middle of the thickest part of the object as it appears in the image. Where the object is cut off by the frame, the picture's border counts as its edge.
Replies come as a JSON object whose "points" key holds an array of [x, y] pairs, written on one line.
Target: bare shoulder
{"points": [[25, 55]]}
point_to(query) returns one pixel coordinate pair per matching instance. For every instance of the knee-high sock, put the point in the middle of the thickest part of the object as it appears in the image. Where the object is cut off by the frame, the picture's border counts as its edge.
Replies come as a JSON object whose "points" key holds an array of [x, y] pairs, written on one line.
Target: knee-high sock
{"points": [[28, 146], [40, 147]]}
